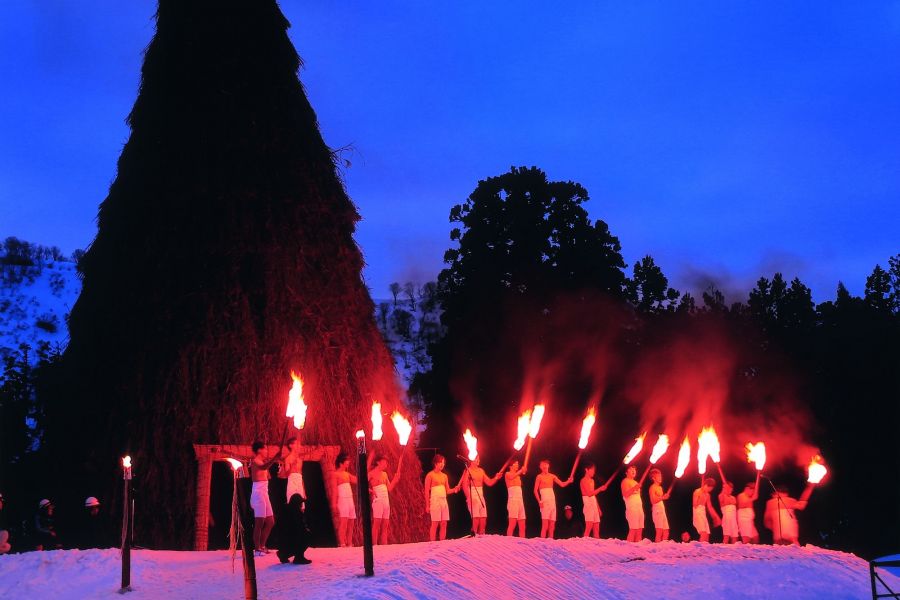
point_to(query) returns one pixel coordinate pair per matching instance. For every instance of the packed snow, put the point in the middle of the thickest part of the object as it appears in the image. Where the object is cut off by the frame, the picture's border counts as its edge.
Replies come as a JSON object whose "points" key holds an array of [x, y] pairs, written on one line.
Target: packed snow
{"points": [[484, 567]]}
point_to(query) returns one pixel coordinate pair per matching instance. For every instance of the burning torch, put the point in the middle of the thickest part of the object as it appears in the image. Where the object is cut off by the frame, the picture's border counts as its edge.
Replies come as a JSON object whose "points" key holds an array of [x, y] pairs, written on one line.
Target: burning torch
{"points": [[659, 449], [684, 459], [586, 425], [534, 426], [242, 527], [632, 454], [756, 453], [708, 447], [816, 471], [127, 524]]}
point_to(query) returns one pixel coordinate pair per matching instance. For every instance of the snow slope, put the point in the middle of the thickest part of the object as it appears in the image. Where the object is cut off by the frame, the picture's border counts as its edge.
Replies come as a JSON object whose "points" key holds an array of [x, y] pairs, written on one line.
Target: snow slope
{"points": [[490, 566]]}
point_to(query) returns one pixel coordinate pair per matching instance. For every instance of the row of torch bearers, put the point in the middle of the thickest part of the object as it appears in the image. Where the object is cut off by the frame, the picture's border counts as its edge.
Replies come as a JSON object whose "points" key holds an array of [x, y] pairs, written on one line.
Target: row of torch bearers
{"points": [[529, 425]]}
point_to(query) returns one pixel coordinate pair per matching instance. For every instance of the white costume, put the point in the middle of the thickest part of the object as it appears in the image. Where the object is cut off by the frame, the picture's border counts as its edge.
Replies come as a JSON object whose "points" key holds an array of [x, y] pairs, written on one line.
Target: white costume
{"points": [[381, 504], [477, 506], [515, 506], [660, 518], [634, 511], [729, 520], [701, 522], [746, 524], [787, 522], [295, 486], [346, 508], [259, 500], [440, 510], [591, 509], [548, 504]]}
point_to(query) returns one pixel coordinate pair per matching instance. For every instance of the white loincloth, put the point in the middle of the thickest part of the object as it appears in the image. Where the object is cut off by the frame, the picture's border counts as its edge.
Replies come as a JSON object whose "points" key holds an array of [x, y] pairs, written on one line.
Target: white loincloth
{"points": [[440, 510], [548, 504], [477, 506], [660, 518], [381, 504], [789, 529], [346, 508], [746, 518], [515, 505], [259, 500], [701, 522], [591, 509], [634, 511], [295, 486], [729, 520]]}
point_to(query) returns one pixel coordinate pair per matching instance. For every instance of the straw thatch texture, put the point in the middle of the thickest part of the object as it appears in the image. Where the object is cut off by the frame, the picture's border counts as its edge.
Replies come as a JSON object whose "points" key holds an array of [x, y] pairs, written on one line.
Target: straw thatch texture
{"points": [[224, 259]]}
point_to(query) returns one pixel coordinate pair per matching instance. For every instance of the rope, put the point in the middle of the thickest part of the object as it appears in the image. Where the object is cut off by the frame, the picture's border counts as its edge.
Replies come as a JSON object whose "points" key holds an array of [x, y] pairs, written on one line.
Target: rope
{"points": [[237, 526]]}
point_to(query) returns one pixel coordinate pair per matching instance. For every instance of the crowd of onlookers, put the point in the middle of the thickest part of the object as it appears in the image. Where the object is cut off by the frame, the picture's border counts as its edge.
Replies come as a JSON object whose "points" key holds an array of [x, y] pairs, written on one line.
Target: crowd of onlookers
{"points": [[40, 531]]}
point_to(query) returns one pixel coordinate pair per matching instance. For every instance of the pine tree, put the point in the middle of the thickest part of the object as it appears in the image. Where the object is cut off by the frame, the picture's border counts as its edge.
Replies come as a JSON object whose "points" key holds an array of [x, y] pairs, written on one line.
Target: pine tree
{"points": [[224, 259]]}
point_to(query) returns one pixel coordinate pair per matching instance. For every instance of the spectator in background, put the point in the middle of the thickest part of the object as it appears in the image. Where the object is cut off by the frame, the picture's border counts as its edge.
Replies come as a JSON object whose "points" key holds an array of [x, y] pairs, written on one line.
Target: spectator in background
{"points": [[45, 527], [4, 530], [90, 528], [568, 527]]}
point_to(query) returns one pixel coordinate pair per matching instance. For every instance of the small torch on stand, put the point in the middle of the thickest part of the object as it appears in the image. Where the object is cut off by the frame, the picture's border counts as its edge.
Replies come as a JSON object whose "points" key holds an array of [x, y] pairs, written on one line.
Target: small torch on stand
{"points": [[365, 505], [127, 525], [242, 527]]}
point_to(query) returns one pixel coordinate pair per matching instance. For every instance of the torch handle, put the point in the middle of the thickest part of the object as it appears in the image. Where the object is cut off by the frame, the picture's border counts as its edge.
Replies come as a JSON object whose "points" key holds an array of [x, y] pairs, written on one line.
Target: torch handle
{"points": [[613, 476], [575, 466], [527, 452], [721, 473], [671, 486]]}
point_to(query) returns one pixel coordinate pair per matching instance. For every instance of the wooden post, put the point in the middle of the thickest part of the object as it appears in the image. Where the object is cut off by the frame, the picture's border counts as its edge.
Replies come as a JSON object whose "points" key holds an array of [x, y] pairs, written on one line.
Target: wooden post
{"points": [[201, 509]]}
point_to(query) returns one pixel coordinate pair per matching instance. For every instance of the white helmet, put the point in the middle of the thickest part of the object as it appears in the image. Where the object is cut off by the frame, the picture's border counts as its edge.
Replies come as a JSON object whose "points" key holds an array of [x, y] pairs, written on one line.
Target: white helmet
{"points": [[44, 503], [91, 502]]}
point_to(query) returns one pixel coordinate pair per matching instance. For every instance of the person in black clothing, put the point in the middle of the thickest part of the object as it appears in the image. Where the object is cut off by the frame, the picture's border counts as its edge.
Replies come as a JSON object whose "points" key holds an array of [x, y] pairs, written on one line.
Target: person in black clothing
{"points": [[568, 527], [45, 528], [4, 530], [90, 528], [295, 538]]}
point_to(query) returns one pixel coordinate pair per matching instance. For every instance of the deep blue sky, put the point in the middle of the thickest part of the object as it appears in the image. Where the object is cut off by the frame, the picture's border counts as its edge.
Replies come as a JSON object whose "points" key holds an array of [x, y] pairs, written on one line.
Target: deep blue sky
{"points": [[725, 139]]}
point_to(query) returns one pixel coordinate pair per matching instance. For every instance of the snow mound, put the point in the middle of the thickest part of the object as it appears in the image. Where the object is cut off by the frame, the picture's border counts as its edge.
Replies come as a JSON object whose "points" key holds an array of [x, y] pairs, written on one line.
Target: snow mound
{"points": [[485, 567]]}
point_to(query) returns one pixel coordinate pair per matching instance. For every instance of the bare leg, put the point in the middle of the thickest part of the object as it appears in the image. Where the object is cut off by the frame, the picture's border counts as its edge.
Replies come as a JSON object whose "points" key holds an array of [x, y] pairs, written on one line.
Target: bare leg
{"points": [[443, 530], [432, 533], [385, 526], [511, 527], [704, 538], [521, 523], [552, 529], [544, 525], [482, 525], [588, 527], [595, 530], [665, 535], [268, 524], [258, 524]]}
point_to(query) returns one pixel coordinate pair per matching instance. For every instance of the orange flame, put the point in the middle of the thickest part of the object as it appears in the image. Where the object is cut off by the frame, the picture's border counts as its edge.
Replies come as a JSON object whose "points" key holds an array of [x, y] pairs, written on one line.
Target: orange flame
{"points": [[536, 416], [523, 426], [296, 407], [707, 447], [377, 432], [586, 427], [126, 462], [360, 434], [636, 449], [684, 457], [235, 463], [662, 444], [817, 470], [756, 453], [403, 427], [471, 444]]}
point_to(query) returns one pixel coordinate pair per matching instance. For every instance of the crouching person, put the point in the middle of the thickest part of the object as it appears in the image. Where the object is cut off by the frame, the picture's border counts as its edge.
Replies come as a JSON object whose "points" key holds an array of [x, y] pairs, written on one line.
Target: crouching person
{"points": [[295, 535]]}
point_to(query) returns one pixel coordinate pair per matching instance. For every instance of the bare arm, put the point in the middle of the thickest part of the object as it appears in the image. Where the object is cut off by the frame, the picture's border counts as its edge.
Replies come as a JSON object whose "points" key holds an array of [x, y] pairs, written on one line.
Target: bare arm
{"points": [[561, 483], [428, 479], [537, 481], [712, 511]]}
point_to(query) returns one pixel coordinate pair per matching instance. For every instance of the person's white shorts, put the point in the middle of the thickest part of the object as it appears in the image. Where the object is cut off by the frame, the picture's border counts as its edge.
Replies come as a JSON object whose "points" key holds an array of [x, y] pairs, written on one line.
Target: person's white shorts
{"points": [[729, 521], [548, 504], [477, 505], [440, 510], [295, 486], [381, 508], [660, 518], [591, 509], [746, 518], [346, 508], [259, 500], [515, 506], [701, 522]]}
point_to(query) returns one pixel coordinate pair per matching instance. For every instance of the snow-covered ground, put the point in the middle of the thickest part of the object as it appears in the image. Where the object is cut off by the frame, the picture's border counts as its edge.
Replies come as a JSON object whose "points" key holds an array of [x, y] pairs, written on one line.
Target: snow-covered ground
{"points": [[486, 567]]}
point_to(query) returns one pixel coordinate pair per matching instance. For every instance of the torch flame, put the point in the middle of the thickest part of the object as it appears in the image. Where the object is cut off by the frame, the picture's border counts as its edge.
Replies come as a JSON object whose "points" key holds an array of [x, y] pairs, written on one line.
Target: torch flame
{"points": [[126, 462], [377, 432], [586, 427], [401, 424], [360, 434], [684, 458], [636, 449], [235, 463], [536, 416], [523, 426], [707, 447], [817, 469], [471, 444], [756, 453], [296, 407], [662, 444]]}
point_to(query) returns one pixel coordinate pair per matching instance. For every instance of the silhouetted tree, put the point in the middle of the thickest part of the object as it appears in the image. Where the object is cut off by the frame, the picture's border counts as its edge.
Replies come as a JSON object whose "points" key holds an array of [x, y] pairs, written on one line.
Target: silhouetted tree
{"points": [[224, 259], [395, 291], [648, 289]]}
